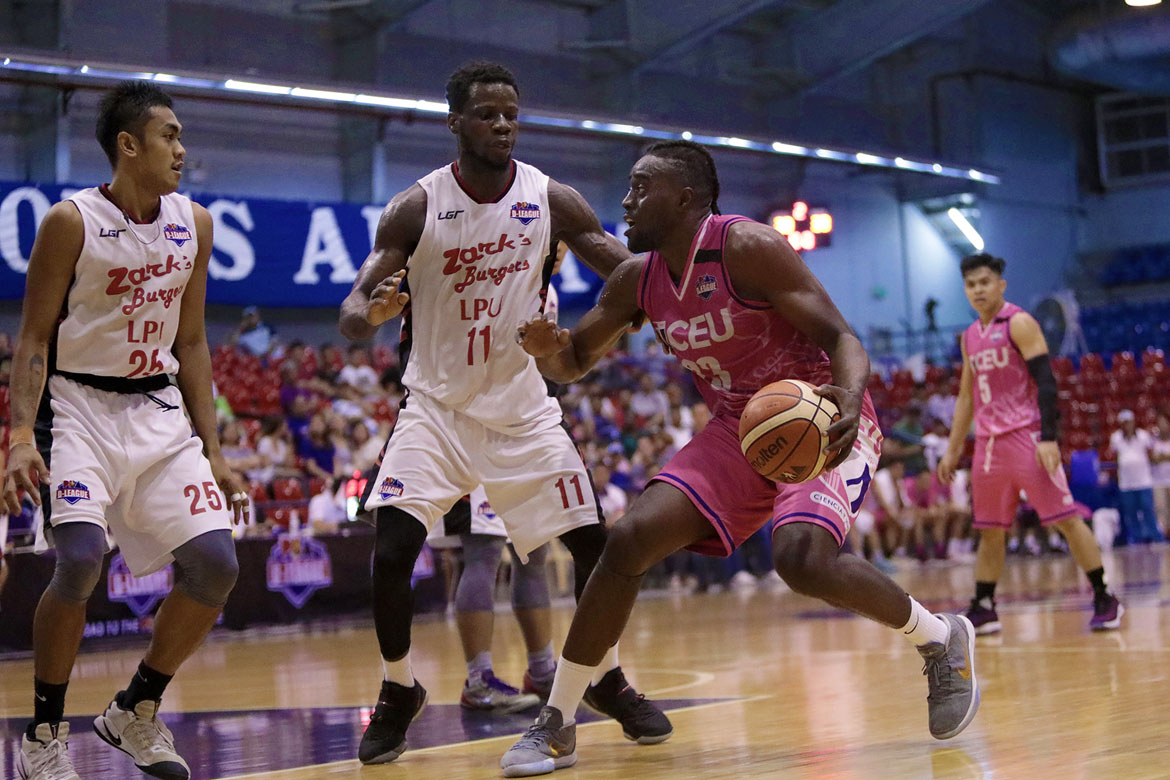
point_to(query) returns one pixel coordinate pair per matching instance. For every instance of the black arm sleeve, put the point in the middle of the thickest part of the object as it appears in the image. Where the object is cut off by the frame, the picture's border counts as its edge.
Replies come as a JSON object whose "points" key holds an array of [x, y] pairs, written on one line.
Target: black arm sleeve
{"points": [[1041, 370]]}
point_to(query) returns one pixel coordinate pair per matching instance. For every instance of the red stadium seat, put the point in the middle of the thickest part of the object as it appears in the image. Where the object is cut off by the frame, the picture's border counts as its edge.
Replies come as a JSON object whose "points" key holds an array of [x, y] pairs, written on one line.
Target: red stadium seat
{"points": [[258, 492], [287, 490], [316, 485], [1092, 365]]}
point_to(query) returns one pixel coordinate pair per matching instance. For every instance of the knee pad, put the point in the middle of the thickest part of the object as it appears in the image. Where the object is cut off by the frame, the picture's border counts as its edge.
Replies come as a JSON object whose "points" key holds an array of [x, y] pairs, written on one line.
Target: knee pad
{"points": [[481, 564], [585, 545], [80, 547], [398, 540], [530, 580], [206, 568]]}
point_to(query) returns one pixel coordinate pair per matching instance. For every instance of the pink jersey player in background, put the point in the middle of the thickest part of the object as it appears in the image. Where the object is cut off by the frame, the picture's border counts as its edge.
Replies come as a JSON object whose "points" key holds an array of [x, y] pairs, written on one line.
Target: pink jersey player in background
{"points": [[1008, 388], [739, 309]]}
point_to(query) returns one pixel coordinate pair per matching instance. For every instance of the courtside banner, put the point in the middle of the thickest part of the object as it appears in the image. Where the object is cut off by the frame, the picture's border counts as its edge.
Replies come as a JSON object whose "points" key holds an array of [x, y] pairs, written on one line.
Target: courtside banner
{"points": [[266, 252]]}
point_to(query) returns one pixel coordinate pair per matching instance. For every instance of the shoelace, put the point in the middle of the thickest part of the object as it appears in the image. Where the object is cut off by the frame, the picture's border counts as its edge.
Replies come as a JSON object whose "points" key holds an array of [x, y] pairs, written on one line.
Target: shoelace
{"points": [[937, 671], [537, 734], [148, 733], [53, 761]]}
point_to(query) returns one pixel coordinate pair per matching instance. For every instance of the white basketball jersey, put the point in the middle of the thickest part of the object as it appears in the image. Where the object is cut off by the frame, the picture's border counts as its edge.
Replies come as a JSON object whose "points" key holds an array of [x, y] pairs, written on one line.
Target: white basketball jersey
{"points": [[475, 276], [122, 310]]}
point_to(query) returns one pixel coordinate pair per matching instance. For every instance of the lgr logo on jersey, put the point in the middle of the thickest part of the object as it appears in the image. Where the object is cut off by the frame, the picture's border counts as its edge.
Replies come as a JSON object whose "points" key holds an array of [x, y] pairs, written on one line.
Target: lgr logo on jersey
{"points": [[177, 233], [525, 212], [391, 487], [71, 491], [705, 286]]}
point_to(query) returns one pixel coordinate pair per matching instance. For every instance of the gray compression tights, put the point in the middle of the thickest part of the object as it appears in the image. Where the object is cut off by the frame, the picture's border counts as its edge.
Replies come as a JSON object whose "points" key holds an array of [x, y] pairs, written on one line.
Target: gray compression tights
{"points": [[481, 561], [205, 567]]}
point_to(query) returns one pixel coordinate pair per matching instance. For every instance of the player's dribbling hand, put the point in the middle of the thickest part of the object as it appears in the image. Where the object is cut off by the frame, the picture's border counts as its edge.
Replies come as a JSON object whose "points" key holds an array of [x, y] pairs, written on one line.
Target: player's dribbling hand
{"points": [[541, 338], [386, 300], [234, 490], [25, 473], [1048, 456], [946, 467], [842, 433]]}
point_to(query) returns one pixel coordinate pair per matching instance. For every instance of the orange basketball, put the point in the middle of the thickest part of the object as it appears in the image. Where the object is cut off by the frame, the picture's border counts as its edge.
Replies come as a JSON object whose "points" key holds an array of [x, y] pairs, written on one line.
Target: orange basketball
{"points": [[782, 431]]}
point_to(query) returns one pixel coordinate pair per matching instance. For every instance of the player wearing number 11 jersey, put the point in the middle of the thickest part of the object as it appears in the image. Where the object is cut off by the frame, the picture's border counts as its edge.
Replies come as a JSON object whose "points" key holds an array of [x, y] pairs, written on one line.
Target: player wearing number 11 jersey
{"points": [[463, 255], [1009, 390]]}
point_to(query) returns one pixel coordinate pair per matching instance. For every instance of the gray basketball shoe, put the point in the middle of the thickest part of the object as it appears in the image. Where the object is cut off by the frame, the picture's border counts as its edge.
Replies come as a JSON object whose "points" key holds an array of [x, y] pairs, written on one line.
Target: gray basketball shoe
{"points": [[950, 675], [548, 745]]}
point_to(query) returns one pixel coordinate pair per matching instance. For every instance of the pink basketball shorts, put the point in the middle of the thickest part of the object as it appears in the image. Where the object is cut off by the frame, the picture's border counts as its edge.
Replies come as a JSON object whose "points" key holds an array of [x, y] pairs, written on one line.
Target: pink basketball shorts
{"points": [[1003, 466], [713, 473]]}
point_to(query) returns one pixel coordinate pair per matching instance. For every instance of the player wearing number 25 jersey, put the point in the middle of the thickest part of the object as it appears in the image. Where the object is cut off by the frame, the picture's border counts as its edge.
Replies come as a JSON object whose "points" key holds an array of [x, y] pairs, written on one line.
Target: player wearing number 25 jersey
{"points": [[106, 442]]}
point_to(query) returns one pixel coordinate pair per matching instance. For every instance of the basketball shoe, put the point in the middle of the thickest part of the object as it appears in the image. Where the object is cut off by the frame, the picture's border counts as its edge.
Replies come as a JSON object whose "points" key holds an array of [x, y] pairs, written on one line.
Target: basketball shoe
{"points": [[983, 617], [492, 694], [950, 674], [45, 755], [542, 687], [548, 745], [385, 737], [140, 734], [1107, 612], [641, 721]]}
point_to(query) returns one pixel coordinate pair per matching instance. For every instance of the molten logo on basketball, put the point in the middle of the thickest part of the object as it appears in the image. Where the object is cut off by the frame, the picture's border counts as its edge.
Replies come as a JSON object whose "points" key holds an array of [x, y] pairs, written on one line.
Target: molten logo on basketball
{"points": [[764, 455]]}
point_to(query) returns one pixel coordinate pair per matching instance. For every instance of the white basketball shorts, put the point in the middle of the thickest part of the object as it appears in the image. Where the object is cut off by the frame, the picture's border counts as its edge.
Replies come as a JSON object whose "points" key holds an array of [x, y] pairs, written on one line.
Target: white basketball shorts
{"points": [[123, 462], [535, 481]]}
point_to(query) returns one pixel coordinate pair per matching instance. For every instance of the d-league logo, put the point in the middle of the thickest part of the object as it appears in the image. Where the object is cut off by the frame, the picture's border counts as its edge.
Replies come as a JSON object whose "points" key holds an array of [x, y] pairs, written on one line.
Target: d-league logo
{"points": [[705, 286], [71, 491], [298, 567], [525, 212], [140, 594], [177, 233], [391, 487]]}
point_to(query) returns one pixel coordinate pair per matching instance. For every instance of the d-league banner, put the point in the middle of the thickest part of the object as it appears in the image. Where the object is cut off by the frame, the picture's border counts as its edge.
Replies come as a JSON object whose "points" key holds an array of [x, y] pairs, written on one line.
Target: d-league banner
{"points": [[267, 252]]}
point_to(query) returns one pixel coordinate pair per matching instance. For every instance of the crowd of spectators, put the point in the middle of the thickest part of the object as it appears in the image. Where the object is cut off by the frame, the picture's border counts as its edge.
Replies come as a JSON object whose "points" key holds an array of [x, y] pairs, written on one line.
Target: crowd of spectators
{"points": [[305, 424]]}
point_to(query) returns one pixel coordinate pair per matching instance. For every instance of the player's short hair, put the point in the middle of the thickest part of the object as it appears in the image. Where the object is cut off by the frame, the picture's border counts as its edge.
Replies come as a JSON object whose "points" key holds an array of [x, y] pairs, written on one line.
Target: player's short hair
{"points": [[126, 107], [696, 165], [475, 72], [982, 260]]}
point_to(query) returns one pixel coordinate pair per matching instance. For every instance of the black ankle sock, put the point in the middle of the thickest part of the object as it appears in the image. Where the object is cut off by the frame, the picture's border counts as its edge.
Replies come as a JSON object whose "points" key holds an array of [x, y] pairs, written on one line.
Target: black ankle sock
{"points": [[48, 703], [985, 590], [1097, 580], [145, 685]]}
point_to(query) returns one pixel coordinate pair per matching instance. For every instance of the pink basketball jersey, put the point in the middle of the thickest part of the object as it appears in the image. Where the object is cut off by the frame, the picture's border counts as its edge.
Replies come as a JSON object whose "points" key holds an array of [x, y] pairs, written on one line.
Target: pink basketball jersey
{"points": [[732, 346], [1003, 392]]}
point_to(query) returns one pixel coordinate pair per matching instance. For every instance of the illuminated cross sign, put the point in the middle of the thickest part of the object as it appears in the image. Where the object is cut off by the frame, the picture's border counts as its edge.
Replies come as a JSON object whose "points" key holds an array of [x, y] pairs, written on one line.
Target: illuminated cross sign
{"points": [[806, 227]]}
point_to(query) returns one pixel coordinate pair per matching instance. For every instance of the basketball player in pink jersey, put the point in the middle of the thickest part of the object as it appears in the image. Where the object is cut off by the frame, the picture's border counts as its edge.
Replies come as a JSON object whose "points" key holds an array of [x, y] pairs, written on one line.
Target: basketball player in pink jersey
{"points": [[113, 305], [739, 309], [463, 256], [1008, 388]]}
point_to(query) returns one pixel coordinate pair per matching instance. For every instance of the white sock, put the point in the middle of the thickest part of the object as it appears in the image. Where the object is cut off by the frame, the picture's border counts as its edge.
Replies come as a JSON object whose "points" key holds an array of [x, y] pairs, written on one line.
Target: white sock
{"points": [[569, 687], [608, 663], [398, 671], [923, 627], [478, 665]]}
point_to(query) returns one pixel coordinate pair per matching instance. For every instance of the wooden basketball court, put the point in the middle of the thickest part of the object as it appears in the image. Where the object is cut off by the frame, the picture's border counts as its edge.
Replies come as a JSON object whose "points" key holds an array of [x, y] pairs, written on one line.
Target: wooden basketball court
{"points": [[763, 683]]}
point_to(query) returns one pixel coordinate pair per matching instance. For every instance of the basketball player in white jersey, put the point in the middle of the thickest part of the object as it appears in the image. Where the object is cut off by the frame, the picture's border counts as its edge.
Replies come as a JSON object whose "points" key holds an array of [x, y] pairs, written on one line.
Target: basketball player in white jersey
{"points": [[113, 306], [461, 254]]}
